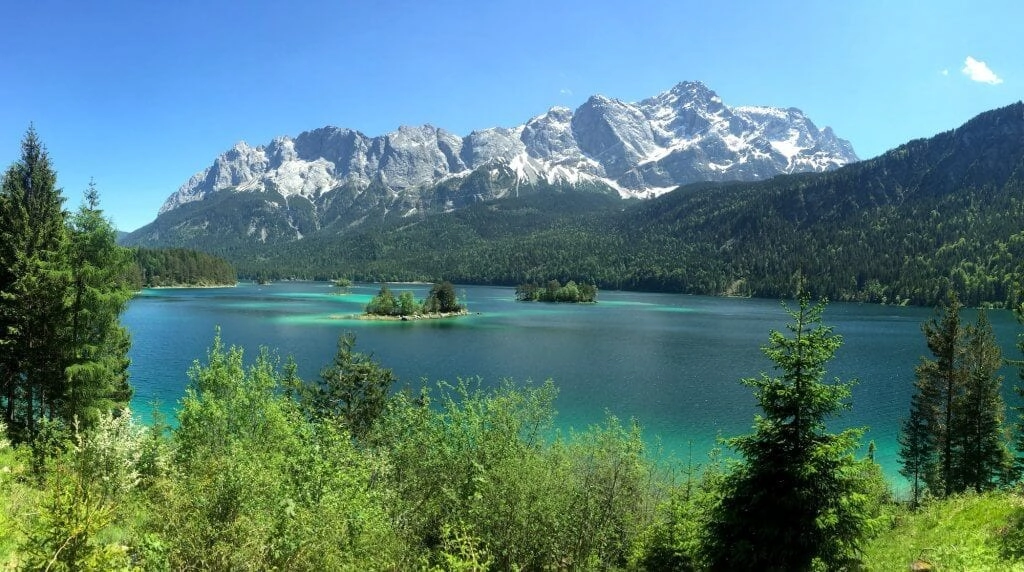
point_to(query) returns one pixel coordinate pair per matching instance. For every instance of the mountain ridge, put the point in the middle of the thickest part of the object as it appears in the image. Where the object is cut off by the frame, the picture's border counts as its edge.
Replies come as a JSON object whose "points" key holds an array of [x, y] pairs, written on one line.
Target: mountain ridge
{"points": [[642, 149], [905, 227]]}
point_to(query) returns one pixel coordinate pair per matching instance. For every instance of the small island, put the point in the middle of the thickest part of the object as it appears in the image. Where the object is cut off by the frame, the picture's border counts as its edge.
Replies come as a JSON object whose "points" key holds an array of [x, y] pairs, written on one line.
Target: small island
{"points": [[555, 292], [441, 302]]}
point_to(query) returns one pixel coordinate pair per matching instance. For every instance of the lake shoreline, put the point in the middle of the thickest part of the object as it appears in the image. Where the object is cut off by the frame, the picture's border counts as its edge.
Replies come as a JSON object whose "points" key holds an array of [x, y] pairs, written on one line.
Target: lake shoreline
{"points": [[410, 318], [187, 286]]}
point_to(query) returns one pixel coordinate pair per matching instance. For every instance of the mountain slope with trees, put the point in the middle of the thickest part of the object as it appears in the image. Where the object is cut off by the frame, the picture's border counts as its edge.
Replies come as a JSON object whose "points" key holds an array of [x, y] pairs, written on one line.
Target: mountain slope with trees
{"points": [[336, 179], [905, 227], [163, 267]]}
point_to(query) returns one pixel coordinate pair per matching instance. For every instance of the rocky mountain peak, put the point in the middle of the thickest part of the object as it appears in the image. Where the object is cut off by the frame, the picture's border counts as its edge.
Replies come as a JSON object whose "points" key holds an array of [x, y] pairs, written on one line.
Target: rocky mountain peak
{"points": [[641, 149]]}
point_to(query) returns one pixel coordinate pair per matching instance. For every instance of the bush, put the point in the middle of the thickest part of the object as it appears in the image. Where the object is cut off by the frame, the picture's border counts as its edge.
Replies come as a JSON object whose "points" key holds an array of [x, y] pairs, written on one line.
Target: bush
{"points": [[479, 463], [85, 485], [258, 486]]}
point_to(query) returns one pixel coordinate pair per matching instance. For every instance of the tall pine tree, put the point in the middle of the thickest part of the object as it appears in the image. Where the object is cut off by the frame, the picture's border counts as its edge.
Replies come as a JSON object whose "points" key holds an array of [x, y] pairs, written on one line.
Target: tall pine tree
{"points": [[940, 382], [795, 500], [32, 223], [954, 438], [985, 455]]}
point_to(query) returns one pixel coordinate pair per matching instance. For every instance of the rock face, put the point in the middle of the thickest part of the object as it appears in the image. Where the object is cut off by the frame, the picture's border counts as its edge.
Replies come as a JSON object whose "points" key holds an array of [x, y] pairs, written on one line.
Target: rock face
{"points": [[642, 149]]}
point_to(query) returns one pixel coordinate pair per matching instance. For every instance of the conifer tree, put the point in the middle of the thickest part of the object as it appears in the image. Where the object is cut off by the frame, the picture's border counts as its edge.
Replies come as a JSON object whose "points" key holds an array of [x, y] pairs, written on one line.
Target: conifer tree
{"points": [[63, 286], [954, 438], [940, 382], [917, 446], [986, 455], [97, 363], [352, 389], [32, 287], [794, 501]]}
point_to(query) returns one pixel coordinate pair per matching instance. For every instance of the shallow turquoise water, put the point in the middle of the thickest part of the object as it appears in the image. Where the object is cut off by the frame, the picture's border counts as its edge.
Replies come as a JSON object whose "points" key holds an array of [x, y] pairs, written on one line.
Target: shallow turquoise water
{"points": [[673, 362]]}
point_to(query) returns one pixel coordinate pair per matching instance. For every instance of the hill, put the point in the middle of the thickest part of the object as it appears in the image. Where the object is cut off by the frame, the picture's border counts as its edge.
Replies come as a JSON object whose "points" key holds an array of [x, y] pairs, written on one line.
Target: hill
{"points": [[901, 228]]}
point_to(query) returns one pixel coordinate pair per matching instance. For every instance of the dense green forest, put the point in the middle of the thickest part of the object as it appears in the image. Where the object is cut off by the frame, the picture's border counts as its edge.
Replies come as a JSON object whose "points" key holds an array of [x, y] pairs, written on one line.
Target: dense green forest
{"points": [[902, 228], [162, 267]]}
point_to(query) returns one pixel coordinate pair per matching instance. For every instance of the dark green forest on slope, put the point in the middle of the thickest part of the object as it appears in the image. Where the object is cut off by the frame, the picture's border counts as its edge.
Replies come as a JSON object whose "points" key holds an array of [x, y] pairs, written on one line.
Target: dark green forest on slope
{"points": [[161, 267], [902, 228]]}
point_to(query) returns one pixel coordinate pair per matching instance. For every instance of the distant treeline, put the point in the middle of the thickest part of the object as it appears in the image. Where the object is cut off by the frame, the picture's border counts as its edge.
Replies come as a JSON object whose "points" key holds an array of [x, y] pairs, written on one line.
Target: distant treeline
{"points": [[155, 267], [903, 228]]}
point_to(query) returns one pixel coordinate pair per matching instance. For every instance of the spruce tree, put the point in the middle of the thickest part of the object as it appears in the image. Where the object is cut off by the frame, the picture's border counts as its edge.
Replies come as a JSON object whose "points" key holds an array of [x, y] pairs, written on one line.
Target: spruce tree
{"points": [[353, 389], [986, 455], [955, 438], [917, 446], [97, 360], [32, 287], [63, 287], [794, 501], [940, 382]]}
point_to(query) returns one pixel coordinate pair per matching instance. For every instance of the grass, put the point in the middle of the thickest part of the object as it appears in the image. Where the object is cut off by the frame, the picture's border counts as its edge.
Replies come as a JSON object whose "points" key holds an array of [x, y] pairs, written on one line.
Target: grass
{"points": [[972, 532]]}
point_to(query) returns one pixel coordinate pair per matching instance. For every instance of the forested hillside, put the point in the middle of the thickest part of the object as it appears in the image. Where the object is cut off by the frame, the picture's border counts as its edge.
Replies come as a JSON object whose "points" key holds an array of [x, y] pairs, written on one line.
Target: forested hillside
{"points": [[160, 267], [901, 228]]}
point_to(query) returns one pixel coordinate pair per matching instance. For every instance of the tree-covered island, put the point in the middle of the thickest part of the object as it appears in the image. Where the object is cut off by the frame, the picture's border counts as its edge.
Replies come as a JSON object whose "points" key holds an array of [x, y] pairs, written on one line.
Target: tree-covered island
{"points": [[441, 302], [556, 292]]}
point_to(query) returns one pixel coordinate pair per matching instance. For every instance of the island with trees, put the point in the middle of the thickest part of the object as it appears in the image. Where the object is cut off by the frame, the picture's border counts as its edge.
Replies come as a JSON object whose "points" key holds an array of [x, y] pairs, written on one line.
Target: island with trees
{"points": [[441, 302], [556, 292]]}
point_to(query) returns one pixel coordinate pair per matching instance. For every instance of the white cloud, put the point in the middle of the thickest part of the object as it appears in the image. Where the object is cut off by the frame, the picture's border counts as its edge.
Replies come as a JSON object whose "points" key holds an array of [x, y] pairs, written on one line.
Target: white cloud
{"points": [[565, 91], [979, 71], [944, 72]]}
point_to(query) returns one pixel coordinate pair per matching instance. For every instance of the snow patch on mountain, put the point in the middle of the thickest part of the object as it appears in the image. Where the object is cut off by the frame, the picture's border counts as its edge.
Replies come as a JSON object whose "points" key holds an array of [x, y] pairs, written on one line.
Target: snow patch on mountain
{"points": [[642, 149]]}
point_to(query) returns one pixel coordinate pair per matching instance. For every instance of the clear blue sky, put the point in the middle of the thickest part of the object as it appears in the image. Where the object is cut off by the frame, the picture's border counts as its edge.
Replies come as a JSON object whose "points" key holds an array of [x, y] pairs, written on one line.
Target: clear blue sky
{"points": [[142, 94]]}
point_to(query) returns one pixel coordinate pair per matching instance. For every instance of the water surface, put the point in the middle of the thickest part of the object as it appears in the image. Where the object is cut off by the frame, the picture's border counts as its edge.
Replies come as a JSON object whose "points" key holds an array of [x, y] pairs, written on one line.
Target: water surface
{"points": [[673, 362]]}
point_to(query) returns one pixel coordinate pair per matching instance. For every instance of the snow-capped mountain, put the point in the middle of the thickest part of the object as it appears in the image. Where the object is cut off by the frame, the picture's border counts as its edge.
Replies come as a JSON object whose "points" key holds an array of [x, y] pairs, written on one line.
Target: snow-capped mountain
{"points": [[643, 149]]}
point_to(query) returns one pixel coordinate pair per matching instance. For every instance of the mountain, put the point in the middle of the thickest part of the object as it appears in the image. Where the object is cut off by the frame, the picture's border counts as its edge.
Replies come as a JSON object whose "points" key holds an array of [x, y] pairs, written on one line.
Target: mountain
{"points": [[335, 179], [928, 216]]}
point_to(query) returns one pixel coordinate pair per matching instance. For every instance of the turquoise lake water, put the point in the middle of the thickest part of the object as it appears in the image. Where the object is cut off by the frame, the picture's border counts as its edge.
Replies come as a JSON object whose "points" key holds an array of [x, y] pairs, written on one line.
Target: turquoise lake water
{"points": [[673, 362]]}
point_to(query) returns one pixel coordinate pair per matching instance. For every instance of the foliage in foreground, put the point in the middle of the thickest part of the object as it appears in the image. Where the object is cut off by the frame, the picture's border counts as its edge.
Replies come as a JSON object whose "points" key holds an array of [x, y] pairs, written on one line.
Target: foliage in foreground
{"points": [[267, 471], [256, 477]]}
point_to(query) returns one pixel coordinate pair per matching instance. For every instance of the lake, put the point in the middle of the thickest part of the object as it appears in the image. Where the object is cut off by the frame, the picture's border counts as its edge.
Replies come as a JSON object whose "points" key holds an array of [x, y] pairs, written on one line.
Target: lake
{"points": [[673, 362]]}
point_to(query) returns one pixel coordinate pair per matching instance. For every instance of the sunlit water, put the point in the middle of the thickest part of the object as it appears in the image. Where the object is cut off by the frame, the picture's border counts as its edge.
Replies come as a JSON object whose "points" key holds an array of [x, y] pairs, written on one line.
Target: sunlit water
{"points": [[672, 362]]}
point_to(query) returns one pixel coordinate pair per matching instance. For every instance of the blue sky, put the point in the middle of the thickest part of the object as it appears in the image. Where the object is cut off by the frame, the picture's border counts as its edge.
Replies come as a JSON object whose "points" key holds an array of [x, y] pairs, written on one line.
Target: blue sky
{"points": [[140, 95]]}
